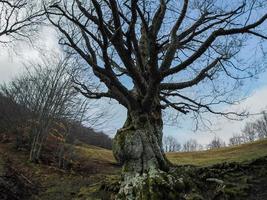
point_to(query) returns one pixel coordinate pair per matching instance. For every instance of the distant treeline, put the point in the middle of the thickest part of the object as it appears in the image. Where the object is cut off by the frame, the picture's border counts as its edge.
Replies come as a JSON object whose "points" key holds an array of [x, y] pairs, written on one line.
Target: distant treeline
{"points": [[252, 131], [88, 136]]}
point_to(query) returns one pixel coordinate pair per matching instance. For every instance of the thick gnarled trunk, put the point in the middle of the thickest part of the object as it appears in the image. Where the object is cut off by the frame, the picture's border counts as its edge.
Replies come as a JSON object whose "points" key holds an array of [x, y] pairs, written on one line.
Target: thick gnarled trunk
{"points": [[138, 145]]}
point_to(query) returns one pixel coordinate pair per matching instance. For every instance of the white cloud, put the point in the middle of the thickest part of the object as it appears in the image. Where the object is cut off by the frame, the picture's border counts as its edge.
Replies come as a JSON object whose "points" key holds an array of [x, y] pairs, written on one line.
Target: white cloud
{"points": [[118, 117], [14, 56], [8, 67]]}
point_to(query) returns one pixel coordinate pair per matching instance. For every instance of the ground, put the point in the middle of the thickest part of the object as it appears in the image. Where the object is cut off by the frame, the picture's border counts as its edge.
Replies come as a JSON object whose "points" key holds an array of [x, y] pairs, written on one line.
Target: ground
{"points": [[227, 173]]}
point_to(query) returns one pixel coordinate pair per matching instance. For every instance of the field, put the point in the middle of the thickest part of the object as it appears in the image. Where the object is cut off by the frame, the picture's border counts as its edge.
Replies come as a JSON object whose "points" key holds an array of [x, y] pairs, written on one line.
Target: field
{"points": [[244, 152]]}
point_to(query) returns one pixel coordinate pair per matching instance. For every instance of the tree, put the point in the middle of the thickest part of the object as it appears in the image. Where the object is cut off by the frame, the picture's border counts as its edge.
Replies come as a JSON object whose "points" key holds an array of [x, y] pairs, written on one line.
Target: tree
{"points": [[236, 140], [216, 143], [170, 144], [148, 55], [46, 91], [249, 132], [260, 126], [190, 145], [18, 18]]}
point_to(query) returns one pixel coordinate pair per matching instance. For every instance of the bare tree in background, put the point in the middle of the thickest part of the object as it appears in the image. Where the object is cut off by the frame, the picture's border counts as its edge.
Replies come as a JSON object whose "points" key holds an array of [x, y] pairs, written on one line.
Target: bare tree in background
{"points": [[19, 19], [260, 126], [190, 145], [46, 90], [236, 140], [216, 143], [170, 144], [249, 132], [252, 131], [150, 55]]}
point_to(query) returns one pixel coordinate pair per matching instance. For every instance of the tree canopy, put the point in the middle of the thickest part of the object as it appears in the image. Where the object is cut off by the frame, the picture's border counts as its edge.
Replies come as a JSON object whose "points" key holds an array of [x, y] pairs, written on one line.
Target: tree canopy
{"points": [[161, 48]]}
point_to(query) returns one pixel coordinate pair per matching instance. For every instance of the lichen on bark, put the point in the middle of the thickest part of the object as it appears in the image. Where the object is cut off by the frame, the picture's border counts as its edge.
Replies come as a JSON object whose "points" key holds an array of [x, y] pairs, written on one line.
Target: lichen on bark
{"points": [[153, 185]]}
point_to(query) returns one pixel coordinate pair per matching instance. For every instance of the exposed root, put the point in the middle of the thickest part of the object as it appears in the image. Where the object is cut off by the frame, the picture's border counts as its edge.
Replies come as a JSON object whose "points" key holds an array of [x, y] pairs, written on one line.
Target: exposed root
{"points": [[153, 185]]}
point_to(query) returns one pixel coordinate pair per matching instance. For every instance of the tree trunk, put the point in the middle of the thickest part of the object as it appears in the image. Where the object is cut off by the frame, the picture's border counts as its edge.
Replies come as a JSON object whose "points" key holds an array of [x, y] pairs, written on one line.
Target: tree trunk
{"points": [[138, 147]]}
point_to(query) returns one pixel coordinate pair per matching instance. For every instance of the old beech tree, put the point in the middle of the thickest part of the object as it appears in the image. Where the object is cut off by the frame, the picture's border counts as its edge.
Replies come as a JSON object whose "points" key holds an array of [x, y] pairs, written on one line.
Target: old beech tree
{"points": [[147, 53]]}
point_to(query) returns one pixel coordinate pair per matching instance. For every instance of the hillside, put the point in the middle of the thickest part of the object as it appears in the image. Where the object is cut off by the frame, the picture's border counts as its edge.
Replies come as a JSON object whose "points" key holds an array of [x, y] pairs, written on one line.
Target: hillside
{"points": [[94, 167], [244, 152], [89, 165], [17, 118]]}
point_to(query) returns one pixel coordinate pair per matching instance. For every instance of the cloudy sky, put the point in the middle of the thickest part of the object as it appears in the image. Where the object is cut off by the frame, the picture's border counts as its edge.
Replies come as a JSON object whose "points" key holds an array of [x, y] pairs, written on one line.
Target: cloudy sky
{"points": [[11, 64]]}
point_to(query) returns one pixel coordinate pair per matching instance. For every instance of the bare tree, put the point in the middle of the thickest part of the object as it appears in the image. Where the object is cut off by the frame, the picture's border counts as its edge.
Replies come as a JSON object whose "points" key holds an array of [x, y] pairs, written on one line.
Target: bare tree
{"points": [[255, 130], [150, 55], [19, 19], [260, 126], [249, 132], [170, 144], [236, 140], [216, 143], [46, 90], [190, 145]]}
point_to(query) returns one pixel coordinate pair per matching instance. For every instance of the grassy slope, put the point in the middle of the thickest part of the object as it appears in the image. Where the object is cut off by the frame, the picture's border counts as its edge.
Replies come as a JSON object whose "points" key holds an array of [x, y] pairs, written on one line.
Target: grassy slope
{"points": [[92, 165], [94, 153], [240, 153]]}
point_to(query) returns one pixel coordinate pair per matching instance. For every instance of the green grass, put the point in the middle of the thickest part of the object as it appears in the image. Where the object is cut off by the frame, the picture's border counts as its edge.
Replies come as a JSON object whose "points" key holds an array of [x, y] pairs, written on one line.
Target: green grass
{"points": [[240, 153]]}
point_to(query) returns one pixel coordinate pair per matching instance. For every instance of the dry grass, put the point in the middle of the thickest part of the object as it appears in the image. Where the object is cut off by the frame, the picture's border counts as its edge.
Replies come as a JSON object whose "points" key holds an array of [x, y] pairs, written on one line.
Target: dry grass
{"points": [[95, 153], [240, 153]]}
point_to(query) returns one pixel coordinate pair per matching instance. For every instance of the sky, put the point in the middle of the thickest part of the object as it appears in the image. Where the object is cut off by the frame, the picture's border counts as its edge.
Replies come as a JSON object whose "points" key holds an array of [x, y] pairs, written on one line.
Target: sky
{"points": [[11, 65]]}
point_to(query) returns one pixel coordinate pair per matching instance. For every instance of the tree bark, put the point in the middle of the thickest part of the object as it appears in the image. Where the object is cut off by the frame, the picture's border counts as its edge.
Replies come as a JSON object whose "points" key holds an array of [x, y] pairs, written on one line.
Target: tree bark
{"points": [[138, 145]]}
